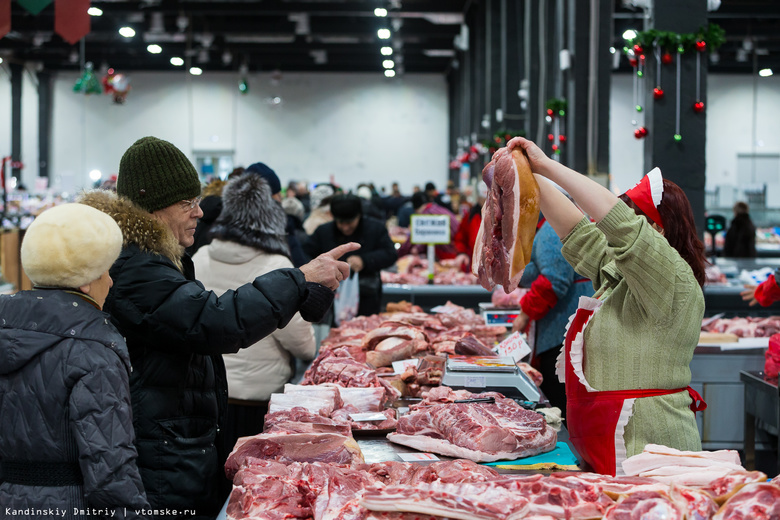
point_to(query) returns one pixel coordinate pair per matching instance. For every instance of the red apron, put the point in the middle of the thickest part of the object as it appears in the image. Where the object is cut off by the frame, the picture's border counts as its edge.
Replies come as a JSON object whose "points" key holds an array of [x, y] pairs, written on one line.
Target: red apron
{"points": [[594, 418]]}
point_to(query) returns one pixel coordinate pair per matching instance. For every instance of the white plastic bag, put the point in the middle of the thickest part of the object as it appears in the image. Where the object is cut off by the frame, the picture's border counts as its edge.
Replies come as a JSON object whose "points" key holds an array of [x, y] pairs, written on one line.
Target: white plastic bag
{"points": [[345, 305]]}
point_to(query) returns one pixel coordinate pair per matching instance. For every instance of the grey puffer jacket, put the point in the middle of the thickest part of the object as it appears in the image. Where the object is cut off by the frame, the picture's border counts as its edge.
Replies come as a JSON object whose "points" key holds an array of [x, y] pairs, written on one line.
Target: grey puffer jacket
{"points": [[65, 403]]}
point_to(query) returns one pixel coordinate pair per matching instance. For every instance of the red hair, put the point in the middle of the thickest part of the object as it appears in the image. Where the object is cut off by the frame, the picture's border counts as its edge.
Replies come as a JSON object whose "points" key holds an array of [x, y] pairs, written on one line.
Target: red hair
{"points": [[679, 228]]}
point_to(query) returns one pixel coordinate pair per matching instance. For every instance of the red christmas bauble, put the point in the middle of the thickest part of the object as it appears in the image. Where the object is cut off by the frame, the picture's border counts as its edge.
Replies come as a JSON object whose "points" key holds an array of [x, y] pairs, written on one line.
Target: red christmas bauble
{"points": [[492, 150], [701, 46], [632, 61], [562, 138], [549, 111], [497, 140], [643, 130], [642, 58], [698, 107], [658, 93], [666, 58], [507, 137], [638, 134], [550, 137], [638, 49], [554, 147]]}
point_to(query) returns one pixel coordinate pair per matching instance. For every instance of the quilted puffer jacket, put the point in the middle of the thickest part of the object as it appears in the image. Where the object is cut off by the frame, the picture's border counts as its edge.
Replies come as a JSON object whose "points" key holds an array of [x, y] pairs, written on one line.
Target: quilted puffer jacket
{"points": [[176, 334], [65, 413]]}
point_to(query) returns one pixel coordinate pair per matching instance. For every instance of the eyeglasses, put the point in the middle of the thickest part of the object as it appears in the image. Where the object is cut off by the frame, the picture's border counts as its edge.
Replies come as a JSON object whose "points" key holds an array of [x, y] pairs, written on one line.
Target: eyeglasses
{"points": [[189, 205]]}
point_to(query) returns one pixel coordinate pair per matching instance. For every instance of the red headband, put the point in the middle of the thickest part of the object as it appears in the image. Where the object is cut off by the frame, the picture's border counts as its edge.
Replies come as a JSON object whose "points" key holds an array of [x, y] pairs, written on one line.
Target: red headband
{"points": [[647, 195]]}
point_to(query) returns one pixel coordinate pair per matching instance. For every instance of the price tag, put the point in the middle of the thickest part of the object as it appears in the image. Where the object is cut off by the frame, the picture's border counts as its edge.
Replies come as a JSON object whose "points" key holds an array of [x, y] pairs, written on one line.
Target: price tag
{"points": [[475, 382], [514, 346], [399, 367], [417, 457], [430, 229], [367, 416]]}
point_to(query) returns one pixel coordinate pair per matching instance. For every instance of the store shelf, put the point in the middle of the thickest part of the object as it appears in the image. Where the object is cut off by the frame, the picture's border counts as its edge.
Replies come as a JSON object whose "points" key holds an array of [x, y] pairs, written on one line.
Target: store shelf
{"points": [[428, 296]]}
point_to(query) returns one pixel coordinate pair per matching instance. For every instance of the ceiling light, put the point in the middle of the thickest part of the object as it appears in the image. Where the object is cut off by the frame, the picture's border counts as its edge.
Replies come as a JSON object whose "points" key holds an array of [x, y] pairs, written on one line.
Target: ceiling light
{"points": [[612, 50], [389, 73], [388, 64], [629, 34], [196, 71], [384, 34], [177, 62], [95, 11], [386, 51], [439, 53], [765, 73], [1, 60], [154, 48], [95, 175], [379, 11], [127, 32]]}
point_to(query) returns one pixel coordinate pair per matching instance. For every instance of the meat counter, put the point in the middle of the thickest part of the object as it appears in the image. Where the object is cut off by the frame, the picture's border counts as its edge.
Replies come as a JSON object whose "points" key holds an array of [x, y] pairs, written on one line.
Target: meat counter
{"points": [[429, 296]]}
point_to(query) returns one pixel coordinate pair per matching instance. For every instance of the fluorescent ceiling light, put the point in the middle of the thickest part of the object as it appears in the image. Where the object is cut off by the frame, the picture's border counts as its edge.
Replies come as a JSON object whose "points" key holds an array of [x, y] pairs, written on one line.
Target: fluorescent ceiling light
{"points": [[95, 175], [389, 73], [630, 34], [765, 73], [196, 71], [439, 53], [383, 34], [95, 11], [176, 61], [388, 64], [127, 32], [379, 11], [154, 48], [386, 51]]}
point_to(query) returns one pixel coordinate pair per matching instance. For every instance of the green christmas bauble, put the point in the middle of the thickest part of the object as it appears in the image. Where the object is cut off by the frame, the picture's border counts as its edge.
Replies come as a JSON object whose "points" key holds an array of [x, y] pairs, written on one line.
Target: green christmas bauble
{"points": [[677, 137], [639, 108]]}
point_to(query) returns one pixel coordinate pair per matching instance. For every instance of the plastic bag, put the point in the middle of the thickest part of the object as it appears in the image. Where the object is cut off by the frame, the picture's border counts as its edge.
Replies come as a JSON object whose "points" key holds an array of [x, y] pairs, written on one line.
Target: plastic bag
{"points": [[772, 357], [345, 306]]}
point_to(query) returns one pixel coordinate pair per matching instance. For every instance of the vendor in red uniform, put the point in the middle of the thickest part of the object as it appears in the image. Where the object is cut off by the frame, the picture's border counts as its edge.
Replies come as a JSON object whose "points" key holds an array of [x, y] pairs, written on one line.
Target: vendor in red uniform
{"points": [[627, 351], [764, 294]]}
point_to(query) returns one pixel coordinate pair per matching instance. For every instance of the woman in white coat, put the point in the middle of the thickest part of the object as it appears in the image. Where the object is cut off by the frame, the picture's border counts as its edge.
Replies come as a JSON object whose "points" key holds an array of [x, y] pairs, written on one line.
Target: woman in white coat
{"points": [[249, 240]]}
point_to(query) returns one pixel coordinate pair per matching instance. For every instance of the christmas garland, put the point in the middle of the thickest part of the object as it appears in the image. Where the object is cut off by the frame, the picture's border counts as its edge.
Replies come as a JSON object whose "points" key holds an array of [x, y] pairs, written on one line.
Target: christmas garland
{"points": [[500, 138], [710, 37]]}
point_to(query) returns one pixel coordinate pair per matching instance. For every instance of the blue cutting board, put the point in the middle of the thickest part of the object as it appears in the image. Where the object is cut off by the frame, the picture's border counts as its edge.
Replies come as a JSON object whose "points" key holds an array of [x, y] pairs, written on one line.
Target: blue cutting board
{"points": [[561, 456]]}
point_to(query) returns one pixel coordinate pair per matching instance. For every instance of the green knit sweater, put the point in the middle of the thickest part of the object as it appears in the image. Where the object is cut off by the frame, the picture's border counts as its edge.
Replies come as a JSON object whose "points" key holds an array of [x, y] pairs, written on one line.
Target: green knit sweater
{"points": [[647, 328]]}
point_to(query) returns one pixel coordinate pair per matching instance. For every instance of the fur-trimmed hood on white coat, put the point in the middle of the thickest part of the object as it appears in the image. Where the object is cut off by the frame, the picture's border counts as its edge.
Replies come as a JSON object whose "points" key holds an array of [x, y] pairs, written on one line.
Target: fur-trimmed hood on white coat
{"points": [[256, 372]]}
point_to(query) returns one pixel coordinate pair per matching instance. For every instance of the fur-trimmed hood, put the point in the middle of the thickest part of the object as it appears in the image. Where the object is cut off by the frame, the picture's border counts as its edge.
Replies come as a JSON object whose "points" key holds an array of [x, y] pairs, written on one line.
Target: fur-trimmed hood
{"points": [[251, 217], [138, 226]]}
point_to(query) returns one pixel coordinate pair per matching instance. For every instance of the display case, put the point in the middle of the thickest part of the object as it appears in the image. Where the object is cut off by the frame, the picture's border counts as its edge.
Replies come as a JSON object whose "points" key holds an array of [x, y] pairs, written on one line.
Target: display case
{"points": [[429, 296]]}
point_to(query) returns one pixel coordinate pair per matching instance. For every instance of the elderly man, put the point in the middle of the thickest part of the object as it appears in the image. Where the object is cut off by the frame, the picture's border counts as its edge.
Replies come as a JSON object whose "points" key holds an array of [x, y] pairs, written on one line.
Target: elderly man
{"points": [[177, 331]]}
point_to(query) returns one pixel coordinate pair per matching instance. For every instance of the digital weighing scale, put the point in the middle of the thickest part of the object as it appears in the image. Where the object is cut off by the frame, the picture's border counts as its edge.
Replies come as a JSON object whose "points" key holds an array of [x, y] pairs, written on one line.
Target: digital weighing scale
{"points": [[489, 373], [497, 315]]}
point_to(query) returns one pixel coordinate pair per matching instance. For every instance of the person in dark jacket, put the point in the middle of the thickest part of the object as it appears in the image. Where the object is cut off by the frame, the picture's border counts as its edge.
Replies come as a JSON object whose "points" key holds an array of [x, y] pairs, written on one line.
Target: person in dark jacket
{"points": [[741, 236], [66, 424], [376, 252], [177, 331], [296, 251]]}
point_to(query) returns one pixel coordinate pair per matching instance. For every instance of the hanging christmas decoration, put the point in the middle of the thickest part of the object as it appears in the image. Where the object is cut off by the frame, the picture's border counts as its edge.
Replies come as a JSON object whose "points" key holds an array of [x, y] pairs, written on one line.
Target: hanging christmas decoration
{"points": [[88, 82], [115, 85], [499, 140], [663, 45], [556, 111], [243, 86]]}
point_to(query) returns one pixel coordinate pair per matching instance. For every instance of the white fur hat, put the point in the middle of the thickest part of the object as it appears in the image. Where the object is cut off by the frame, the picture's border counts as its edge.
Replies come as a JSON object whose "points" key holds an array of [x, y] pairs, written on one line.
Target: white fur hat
{"points": [[70, 245]]}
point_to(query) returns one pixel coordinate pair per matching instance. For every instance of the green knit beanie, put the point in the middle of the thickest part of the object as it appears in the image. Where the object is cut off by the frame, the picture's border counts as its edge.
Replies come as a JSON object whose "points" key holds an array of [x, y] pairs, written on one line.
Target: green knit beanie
{"points": [[154, 174]]}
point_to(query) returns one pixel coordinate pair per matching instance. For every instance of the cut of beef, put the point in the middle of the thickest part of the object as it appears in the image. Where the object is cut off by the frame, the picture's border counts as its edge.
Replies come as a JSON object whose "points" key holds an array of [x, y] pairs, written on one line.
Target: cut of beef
{"points": [[509, 215], [481, 432], [294, 447]]}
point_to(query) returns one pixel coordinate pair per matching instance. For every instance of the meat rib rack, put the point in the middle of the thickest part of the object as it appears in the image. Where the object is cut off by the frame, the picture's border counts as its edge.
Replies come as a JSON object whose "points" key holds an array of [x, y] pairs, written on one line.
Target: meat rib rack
{"points": [[512, 382]]}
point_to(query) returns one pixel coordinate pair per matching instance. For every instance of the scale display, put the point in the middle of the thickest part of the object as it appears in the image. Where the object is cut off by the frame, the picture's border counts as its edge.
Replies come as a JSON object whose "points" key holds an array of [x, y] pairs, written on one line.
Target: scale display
{"points": [[500, 376]]}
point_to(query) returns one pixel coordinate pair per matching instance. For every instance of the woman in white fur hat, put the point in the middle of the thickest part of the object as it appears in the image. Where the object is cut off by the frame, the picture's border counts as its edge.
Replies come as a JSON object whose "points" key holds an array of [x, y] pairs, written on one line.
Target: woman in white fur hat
{"points": [[66, 425]]}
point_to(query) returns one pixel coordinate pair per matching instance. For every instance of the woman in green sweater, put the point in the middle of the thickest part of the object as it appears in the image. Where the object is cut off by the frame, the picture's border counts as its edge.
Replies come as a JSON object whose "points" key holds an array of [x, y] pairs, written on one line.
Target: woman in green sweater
{"points": [[628, 349]]}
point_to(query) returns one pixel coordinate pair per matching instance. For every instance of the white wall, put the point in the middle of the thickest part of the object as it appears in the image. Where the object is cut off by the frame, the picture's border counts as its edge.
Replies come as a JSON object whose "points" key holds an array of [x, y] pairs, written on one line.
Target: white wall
{"points": [[356, 127], [29, 120], [730, 125]]}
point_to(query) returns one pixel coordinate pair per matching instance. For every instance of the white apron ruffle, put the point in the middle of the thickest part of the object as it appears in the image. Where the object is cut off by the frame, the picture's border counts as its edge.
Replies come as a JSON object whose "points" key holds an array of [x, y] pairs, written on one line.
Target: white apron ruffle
{"points": [[620, 444], [577, 345]]}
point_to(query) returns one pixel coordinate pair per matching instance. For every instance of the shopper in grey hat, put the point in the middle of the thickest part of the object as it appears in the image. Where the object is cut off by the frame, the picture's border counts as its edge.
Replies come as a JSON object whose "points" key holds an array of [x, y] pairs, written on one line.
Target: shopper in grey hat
{"points": [[177, 331]]}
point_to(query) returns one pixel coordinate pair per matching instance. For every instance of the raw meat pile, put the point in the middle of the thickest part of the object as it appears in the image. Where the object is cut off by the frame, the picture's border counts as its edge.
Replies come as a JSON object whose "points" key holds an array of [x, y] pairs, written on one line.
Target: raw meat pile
{"points": [[266, 489], [478, 431], [337, 403], [745, 327], [356, 353], [501, 299], [413, 270], [509, 215]]}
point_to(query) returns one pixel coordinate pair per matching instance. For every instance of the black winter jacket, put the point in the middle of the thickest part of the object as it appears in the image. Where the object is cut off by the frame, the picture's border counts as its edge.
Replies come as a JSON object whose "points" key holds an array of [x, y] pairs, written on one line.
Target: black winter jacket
{"points": [[376, 250], [65, 401], [176, 332]]}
